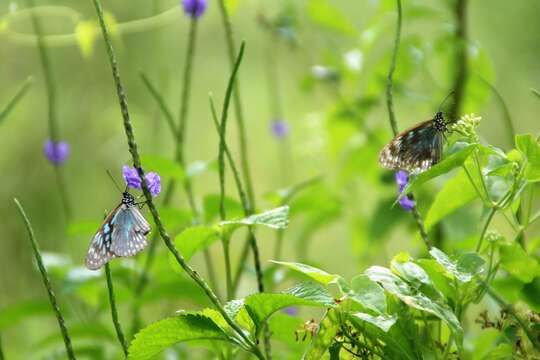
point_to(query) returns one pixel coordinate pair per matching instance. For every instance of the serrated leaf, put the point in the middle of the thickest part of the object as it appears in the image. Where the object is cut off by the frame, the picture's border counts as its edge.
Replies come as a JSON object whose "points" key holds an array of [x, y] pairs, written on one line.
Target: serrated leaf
{"points": [[316, 274], [163, 166], [455, 193], [383, 322], [194, 239], [261, 306], [368, 293], [276, 219], [396, 286], [463, 269], [158, 336], [518, 263], [446, 165]]}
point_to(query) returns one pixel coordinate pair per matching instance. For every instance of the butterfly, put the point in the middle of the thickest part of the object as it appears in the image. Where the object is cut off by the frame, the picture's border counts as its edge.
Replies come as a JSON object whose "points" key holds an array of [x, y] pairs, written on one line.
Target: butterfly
{"points": [[416, 149], [122, 233]]}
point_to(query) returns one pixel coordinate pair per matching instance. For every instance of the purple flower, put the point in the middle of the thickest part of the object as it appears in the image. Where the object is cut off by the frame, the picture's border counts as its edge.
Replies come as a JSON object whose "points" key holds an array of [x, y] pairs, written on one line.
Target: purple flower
{"points": [[56, 152], [280, 128], [132, 179], [402, 179], [194, 8], [291, 310]]}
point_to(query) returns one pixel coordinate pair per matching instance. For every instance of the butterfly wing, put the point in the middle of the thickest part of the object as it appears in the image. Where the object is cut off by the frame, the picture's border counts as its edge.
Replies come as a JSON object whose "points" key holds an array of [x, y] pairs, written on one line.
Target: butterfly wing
{"points": [[415, 150], [129, 231], [99, 252]]}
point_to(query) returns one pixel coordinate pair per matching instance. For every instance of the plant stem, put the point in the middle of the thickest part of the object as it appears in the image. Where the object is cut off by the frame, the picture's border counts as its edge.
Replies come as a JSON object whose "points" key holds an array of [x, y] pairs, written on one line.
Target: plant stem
{"points": [[161, 104], [137, 163], [15, 99], [114, 311], [2, 357], [46, 282], [460, 60], [392, 117], [50, 86], [238, 107]]}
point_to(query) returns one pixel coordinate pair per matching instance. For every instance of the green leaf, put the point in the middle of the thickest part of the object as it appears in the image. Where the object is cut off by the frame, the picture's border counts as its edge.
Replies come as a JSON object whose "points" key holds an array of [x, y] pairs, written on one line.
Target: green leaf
{"points": [[194, 239], [158, 336], [175, 219], [529, 147], [326, 15], [368, 293], [163, 166], [383, 322], [316, 274], [501, 352], [464, 269], [455, 193], [86, 33], [396, 286], [446, 165], [518, 263], [261, 306], [276, 219]]}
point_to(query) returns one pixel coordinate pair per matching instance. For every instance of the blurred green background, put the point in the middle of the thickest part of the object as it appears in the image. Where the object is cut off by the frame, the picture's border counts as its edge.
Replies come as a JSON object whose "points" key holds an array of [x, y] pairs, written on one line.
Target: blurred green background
{"points": [[328, 63]]}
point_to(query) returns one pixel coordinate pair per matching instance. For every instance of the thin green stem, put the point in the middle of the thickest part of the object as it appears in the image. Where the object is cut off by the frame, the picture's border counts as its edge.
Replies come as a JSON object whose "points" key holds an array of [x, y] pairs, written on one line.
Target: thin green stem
{"points": [[114, 311], [161, 229], [50, 86], [491, 213], [511, 131], [481, 176], [46, 282], [161, 104], [510, 310], [392, 117], [238, 106], [460, 57], [478, 192], [16, 98], [535, 92]]}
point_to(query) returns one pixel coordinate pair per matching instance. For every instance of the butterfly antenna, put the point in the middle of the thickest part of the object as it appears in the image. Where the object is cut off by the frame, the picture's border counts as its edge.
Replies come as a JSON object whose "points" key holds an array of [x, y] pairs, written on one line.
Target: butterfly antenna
{"points": [[115, 183]]}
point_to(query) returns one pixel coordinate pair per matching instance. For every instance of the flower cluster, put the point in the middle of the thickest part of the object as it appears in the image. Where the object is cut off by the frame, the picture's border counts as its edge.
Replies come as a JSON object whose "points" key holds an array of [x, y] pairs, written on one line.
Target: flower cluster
{"points": [[466, 126], [56, 152], [132, 179], [402, 179]]}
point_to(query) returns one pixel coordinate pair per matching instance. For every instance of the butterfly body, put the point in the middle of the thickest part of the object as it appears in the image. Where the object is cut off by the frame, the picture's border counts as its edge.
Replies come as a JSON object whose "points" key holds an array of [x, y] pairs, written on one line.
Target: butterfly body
{"points": [[122, 233], [416, 149]]}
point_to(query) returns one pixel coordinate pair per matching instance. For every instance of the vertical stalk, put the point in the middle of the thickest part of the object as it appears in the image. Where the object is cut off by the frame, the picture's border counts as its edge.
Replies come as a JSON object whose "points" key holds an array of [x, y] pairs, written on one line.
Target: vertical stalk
{"points": [[132, 146], [114, 311], [1, 349], [50, 87], [460, 57], [47, 282], [392, 117], [15, 99], [238, 106]]}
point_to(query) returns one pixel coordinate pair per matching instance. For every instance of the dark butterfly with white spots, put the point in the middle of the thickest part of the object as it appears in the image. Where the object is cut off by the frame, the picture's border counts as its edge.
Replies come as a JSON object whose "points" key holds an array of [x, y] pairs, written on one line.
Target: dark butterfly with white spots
{"points": [[416, 149], [122, 233]]}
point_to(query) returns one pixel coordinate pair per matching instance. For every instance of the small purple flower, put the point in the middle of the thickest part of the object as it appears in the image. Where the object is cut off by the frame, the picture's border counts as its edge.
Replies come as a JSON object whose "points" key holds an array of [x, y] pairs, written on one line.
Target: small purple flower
{"points": [[132, 179], [291, 310], [402, 179], [56, 152], [280, 128], [194, 8]]}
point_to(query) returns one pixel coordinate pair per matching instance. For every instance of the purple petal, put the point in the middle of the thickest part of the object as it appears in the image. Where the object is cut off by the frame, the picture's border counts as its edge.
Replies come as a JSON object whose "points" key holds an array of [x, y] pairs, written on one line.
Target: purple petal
{"points": [[131, 177], [194, 8], [291, 310], [154, 183], [406, 203], [56, 152], [402, 178]]}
